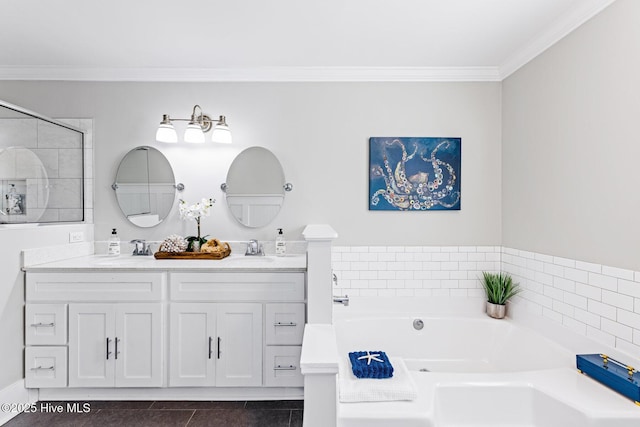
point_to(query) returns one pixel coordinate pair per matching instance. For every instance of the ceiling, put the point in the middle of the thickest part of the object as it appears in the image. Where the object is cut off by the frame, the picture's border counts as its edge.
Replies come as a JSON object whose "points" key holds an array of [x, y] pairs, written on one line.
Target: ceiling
{"points": [[280, 40]]}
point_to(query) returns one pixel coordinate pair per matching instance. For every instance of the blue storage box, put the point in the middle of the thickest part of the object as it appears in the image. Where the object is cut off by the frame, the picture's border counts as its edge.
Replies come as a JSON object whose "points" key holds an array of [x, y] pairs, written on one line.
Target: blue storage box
{"points": [[370, 364], [616, 375]]}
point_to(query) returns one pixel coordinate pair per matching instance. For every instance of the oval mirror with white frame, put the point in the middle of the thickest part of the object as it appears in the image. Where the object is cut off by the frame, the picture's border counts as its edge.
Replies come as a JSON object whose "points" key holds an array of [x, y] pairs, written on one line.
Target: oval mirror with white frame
{"points": [[255, 187], [145, 186]]}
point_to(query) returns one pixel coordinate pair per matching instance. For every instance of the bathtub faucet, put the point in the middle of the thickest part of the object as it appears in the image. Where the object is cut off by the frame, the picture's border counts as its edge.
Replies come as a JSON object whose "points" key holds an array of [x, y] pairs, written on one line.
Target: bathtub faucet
{"points": [[344, 300]]}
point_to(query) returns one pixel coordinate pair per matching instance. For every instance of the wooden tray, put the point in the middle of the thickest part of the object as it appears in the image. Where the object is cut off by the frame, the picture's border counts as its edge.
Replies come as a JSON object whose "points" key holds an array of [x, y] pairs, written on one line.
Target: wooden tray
{"points": [[195, 255]]}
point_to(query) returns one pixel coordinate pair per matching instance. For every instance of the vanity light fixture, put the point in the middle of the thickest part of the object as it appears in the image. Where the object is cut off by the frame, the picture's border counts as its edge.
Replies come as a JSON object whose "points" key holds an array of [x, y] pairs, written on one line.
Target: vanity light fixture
{"points": [[199, 123]]}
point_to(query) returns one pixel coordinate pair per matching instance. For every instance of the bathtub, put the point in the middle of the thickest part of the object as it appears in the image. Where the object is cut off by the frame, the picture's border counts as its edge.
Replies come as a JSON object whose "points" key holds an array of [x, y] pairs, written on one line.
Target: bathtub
{"points": [[464, 362]]}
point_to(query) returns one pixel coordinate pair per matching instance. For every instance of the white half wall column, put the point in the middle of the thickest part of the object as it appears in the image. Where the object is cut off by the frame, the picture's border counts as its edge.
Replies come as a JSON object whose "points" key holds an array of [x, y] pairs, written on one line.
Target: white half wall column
{"points": [[319, 292], [319, 365]]}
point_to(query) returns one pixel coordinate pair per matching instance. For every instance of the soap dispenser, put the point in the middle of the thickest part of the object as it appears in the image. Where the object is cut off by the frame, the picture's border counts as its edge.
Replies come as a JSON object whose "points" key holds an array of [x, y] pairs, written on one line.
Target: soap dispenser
{"points": [[281, 245], [114, 244]]}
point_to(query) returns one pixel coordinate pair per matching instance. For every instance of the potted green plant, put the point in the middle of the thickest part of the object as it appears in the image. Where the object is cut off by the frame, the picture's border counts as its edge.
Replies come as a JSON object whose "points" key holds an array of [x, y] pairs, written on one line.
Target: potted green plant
{"points": [[499, 288]]}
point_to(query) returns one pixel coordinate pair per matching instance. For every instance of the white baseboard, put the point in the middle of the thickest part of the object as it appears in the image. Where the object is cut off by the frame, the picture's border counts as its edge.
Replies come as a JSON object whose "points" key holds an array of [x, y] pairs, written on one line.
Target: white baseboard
{"points": [[16, 395], [172, 393]]}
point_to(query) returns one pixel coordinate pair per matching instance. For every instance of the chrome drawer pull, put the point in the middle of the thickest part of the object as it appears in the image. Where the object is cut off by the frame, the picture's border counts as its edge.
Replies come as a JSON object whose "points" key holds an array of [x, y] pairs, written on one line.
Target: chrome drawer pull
{"points": [[285, 368], [284, 324], [40, 368], [43, 325]]}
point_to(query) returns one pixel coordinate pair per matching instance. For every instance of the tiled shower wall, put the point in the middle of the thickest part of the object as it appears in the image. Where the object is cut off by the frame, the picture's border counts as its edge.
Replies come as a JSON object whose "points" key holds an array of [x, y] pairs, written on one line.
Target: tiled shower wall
{"points": [[60, 152], [594, 300], [85, 125]]}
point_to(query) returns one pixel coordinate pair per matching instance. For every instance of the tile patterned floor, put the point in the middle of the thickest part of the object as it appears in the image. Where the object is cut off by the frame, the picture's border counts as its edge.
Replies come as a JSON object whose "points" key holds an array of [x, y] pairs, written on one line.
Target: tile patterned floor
{"points": [[284, 413]]}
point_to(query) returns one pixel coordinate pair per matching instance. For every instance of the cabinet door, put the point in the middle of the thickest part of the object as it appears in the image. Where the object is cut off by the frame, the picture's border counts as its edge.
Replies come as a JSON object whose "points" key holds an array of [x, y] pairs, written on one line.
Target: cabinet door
{"points": [[91, 346], [138, 345], [239, 344], [192, 344]]}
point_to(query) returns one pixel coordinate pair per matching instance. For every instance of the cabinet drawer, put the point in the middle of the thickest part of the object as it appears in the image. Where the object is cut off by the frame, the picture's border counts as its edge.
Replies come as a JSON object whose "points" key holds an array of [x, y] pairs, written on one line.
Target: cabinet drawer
{"points": [[236, 286], [282, 366], [45, 324], [284, 324], [93, 286], [45, 367]]}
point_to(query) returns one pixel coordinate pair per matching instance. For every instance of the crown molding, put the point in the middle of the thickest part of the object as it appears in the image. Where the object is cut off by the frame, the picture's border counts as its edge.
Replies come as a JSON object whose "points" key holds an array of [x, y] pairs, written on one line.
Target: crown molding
{"points": [[553, 34], [262, 74]]}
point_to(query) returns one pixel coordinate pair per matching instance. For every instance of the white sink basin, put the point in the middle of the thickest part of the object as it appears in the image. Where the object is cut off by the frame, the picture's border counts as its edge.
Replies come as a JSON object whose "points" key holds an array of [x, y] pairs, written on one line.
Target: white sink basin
{"points": [[123, 260], [254, 259]]}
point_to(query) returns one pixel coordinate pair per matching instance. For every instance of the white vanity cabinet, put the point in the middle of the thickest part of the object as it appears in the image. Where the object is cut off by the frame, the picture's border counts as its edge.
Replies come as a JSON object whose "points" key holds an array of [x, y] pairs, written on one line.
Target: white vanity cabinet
{"points": [[176, 330], [109, 343], [220, 342], [115, 345], [215, 344]]}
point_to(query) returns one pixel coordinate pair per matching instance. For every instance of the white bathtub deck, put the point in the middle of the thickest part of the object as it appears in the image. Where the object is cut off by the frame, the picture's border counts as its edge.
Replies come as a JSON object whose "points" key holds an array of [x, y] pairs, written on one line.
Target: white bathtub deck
{"points": [[548, 398], [525, 367]]}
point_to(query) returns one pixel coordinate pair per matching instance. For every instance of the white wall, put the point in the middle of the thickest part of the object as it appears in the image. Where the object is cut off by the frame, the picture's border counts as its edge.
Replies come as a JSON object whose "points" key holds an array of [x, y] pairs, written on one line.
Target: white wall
{"points": [[15, 238], [570, 208], [570, 145], [319, 131]]}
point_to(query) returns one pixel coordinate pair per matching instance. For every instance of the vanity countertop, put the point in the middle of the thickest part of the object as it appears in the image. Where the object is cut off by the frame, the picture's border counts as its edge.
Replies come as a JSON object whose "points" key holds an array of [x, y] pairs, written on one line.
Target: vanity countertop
{"points": [[149, 263]]}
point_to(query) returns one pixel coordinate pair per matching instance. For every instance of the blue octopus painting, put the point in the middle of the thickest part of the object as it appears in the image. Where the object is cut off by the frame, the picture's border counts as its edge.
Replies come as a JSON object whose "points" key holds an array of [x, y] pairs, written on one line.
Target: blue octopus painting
{"points": [[414, 174]]}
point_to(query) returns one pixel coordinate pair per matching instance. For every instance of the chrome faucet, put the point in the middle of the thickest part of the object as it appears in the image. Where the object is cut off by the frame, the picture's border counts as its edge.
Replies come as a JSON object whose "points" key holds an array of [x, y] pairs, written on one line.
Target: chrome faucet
{"points": [[142, 247], [339, 299], [254, 248], [344, 300]]}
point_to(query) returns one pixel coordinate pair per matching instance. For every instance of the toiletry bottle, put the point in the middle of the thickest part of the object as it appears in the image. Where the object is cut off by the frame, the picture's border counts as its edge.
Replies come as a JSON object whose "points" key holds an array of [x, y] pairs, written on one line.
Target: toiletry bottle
{"points": [[281, 245], [114, 244]]}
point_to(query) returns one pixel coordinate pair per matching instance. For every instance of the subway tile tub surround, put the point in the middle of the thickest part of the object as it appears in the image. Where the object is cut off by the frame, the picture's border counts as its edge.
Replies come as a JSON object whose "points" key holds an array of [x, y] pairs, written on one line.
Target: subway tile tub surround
{"points": [[596, 301], [408, 271], [593, 300], [439, 279]]}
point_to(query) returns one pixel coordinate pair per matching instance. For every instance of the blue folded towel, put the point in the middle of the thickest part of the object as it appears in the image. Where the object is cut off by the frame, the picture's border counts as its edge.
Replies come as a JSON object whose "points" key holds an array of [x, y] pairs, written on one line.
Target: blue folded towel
{"points": [[370, 364]]}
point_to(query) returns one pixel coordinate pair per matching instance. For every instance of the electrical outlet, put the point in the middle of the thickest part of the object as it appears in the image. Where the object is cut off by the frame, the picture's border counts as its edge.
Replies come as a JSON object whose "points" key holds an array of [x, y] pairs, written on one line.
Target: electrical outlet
{"points": [[76, 236]]}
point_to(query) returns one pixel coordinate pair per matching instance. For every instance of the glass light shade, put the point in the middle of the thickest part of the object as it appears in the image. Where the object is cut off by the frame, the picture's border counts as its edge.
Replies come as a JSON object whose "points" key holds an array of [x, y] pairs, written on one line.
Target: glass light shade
{"points": [[221, 134], [194, 133], [166, 133]]}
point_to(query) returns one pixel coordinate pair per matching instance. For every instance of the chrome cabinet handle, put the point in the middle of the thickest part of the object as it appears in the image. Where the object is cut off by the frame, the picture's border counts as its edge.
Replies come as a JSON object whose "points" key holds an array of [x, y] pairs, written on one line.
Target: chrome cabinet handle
{"points": [[43, 325], [285, 324], [219, 345], [108, 352], [117, 352], [40, 368], [284, 368], [210, 347]]}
